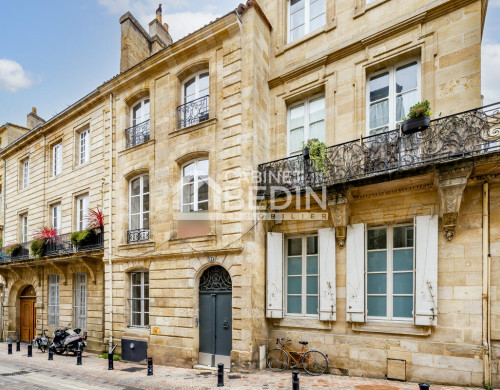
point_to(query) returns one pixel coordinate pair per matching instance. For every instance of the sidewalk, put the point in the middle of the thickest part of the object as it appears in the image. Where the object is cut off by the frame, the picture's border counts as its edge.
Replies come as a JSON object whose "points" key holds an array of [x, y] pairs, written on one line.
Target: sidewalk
{"points": [[17, 371]]}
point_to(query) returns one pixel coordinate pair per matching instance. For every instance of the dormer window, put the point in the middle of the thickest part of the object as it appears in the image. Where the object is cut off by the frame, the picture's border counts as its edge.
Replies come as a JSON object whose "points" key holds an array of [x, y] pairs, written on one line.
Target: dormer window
{"points": [[305, 16]]}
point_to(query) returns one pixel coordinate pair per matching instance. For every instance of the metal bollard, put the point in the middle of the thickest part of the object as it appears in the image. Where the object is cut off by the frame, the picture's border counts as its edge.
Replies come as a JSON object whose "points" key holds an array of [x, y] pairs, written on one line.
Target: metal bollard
{"points": [[30, 350], [9, 349], [110, 361], [79, 357], [18, 346], [220, 375], [424, 386], [51, 354], [295, 380], [150, 366]]}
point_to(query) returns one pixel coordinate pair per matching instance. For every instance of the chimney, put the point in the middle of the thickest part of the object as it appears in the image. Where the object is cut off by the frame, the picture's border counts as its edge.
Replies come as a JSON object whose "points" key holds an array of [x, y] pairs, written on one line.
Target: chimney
{"points": [[156, 28], [33, 110], [158, 13], [33, 120]]}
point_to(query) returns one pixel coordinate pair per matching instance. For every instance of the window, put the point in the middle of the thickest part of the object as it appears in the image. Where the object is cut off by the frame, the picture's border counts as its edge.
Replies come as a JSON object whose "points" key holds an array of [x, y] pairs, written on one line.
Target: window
{"points": [[80, 301], [305, 16], [24, 228], [389, 273], [139, 203], [302, 276], [57, 159], [140, 112], [53, 300], [56, 217], [25, 173], [84, 146], [195, 103], [195, 186], [82, 212], [196, 87], [306, 120], [390, 94], [139, 299]]}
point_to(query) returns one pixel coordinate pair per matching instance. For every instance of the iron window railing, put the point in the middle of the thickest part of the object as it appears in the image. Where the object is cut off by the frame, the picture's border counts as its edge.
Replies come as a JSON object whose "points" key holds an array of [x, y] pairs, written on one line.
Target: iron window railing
{"points": [[137, 235], [59, 245], [460, 136], [194, 112], [137, 134]]}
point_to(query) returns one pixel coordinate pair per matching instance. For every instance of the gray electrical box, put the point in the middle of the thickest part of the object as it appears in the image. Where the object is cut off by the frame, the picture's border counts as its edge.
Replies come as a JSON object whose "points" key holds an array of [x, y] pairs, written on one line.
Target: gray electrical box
{"points": [[134, 351]]}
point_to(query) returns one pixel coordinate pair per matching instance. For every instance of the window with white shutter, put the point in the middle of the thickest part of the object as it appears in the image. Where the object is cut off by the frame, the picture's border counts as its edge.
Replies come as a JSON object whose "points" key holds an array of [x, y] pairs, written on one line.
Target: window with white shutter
{"points": [[274, 275], [355, 273], [327, 269]]}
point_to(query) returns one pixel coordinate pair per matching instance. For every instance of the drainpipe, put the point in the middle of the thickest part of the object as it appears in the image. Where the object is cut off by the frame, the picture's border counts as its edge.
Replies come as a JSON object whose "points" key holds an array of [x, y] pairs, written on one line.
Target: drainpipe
{"points": [[110, 200], [486, 287], [2, 311]]}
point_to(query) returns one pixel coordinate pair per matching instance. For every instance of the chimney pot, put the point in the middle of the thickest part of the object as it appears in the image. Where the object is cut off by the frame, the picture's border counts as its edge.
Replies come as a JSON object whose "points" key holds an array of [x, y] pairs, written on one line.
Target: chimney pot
{"points": [[166, 26], [158, 13], [33, 110]]}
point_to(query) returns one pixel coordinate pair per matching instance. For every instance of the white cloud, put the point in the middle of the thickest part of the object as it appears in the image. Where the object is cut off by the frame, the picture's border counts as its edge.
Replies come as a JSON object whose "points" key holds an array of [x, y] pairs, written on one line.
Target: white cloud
{"points": [[494, 4], [12, 76], [490, 76]]}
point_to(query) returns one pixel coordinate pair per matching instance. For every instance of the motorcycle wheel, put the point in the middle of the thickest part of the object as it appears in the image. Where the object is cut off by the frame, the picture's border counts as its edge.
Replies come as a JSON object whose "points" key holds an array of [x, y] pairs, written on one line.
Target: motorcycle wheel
{"points": [[43, 348], [59, 351]]}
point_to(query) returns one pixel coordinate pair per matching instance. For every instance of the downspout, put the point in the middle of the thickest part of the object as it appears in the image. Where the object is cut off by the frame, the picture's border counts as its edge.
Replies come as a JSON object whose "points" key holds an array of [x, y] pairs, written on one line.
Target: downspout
{"points": [[2, 310], [486, 288], [110, 200]]}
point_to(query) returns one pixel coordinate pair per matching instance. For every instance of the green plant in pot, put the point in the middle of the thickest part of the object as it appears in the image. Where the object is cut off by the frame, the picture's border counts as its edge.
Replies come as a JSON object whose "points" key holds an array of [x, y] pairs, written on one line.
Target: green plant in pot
{"points": [[38, 247], [315, 151], [12, 249], [418, 119], [82, 238]]}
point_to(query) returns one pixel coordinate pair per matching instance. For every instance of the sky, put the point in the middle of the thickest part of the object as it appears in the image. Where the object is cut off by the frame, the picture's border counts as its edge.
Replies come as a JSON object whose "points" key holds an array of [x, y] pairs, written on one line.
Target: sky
{"points": [[53, 52]]}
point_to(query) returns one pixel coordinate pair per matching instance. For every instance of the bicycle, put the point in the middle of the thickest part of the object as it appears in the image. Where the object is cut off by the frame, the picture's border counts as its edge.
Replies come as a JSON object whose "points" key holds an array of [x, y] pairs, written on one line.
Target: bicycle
{"points": [[312, 361], [41, 341]]}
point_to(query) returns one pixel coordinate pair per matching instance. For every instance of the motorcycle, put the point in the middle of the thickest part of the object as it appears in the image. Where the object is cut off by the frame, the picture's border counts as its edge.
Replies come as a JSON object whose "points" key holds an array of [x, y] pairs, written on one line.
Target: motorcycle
{"points": [[41, 341], [66, 340]]}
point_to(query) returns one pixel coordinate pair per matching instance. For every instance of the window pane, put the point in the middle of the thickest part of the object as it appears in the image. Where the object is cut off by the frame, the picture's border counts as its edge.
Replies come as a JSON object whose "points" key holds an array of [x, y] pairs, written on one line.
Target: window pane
{"points": [[376, 306], [294, 305], [403, 307], [145, 184], [188, 194], [404, 102], [190, 90], [294, 246], [136, 319], [136, 291], [135, 222], [376, 261], [188, 208], [403, 236], [135, 203], [316, 9], [202, 191], [317, 130], [377, 239], [296, 139], [136, 115], [146, 319], [294, 285], [317, 22], [297, 116], [203, 85], [202, 168], [406, 77], [145, 202], [202, 206], [135, 186], [379, 114], [295, 266], [403, 283], [145, 110], [403, 260], [312, 265], [376, 283], [297, 33], [317, 110], [145, 221], [312, 245], [312, 305], [379, 87], [296, 5], [297, 13], [312, 285], [188, 173]]}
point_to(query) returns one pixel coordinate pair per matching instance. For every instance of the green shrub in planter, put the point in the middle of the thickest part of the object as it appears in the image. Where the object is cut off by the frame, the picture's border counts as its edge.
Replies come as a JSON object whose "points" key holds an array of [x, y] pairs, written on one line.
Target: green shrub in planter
{"points": [[83, 238], [12, 249], [38, 247]]}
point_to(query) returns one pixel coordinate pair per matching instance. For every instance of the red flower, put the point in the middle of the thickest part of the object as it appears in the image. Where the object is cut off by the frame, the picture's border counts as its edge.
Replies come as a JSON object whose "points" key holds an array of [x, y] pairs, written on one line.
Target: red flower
{"points": [[95, 218], [45, 232]]}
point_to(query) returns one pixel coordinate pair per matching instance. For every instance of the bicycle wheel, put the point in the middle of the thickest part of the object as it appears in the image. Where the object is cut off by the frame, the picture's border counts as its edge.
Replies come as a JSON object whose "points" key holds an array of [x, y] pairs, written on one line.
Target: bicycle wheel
{"points": [[315, 362], [277, 359]]}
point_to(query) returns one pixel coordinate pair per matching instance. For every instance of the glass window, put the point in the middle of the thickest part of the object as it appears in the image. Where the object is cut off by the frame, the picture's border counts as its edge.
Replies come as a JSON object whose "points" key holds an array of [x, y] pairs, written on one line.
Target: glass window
{"points": [[25, 173], [139, 299], [302, 276], [82, 212], [194, 195], [305, 16], [391, 93], [24, 228], [53, 300], [306, 120], [389, 273], [140, 112], [56, 218], [80, 301], [57, 159], [84, 146], [139, 203]]}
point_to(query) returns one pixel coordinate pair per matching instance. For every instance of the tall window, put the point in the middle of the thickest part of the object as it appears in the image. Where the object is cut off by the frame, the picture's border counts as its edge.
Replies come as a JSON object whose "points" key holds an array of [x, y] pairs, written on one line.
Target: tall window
{"points": [[139, 203], [139, 299], [305, 16], [82, 212], [306, 120], [56, 217], [196, 87], [84, 146], [24, 228], [140, 112], [57, 159], [25, 172], [302, 276], [389, 273], [391, 93], [80, 301], [53, 300], [195, 186]]}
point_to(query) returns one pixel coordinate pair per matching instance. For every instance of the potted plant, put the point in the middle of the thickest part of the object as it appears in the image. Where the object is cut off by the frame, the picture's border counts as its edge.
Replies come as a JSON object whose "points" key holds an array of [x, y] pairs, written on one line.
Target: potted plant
{"points": [[12, 250], [419, 118], [38, 247], [315, 151]]}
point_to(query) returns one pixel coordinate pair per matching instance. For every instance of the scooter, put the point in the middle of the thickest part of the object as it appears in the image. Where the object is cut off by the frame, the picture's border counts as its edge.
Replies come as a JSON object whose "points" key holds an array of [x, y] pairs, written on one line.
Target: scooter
{"points": [[65, 341]]}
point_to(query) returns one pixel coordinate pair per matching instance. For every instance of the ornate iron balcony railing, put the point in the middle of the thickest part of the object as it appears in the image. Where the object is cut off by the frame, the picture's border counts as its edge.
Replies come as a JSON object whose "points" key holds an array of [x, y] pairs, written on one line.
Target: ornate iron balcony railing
{"points": [[137, 134], [137, 235], [59, 245], [459, 136], [194, 112]]}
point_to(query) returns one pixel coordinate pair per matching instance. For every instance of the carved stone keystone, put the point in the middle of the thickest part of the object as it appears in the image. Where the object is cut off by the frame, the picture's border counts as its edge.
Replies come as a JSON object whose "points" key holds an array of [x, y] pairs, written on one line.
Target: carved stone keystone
{"points": [[341, 211]]}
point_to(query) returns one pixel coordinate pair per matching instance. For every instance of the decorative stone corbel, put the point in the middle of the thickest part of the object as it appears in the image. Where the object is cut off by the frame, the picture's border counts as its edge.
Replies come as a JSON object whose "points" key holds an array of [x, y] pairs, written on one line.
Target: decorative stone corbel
{"points": [[341, 211], [452, 184]]}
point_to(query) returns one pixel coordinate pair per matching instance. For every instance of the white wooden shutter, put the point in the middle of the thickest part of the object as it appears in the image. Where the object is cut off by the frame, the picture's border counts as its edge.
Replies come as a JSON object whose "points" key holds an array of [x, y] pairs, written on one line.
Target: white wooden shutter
{"points": [[355, 273], [327, 286], [274, 279], [426, 255], [59, 159]]}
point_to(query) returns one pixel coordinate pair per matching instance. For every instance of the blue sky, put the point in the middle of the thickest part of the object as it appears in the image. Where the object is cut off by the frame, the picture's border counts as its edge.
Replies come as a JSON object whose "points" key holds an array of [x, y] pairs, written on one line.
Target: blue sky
{"points": [[53, 52]]}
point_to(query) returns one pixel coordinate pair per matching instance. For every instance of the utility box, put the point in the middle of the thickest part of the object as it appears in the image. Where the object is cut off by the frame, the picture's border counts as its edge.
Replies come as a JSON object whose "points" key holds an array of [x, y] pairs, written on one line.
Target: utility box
{"points": [[134, 350]]}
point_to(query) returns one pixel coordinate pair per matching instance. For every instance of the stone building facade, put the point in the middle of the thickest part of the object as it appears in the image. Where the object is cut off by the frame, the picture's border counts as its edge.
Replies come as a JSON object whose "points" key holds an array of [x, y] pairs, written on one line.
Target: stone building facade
{"points": [[391, 271]]}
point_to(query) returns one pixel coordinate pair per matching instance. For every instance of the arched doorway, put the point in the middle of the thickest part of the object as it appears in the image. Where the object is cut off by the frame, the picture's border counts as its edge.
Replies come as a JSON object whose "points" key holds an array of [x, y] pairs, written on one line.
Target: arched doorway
{"points": [[215, 317], [28, 314]]}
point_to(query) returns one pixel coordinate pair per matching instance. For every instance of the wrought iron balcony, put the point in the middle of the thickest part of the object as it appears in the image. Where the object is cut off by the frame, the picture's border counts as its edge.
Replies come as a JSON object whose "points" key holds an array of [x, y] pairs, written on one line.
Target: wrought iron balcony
{"points": [[137, 235], [194, 112], [137, 134], [460, 136], [59, 245]]}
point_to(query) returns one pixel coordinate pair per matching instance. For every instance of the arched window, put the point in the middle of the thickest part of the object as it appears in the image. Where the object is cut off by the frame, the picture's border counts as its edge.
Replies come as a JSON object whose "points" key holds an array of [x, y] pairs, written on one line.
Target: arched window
{"points": [[196, 87], [195, 186], [195, 103], [139, 209], [138, 133], [140, 112]]}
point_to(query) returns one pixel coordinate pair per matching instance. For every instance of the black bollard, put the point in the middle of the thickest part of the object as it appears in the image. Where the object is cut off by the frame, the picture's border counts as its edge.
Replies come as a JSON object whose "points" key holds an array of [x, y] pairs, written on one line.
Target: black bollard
{"points": [[424, 386], [295, 380], [110, 361], [79, 357], [220, 375], [9, 349], [18, 346], [51, 354], [30, 350], [150, 366]]}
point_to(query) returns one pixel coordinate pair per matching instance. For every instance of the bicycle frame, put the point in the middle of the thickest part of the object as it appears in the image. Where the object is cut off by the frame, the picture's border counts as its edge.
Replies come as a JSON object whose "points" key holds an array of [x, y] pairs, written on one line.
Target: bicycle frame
{"points": [[303, 358]]}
